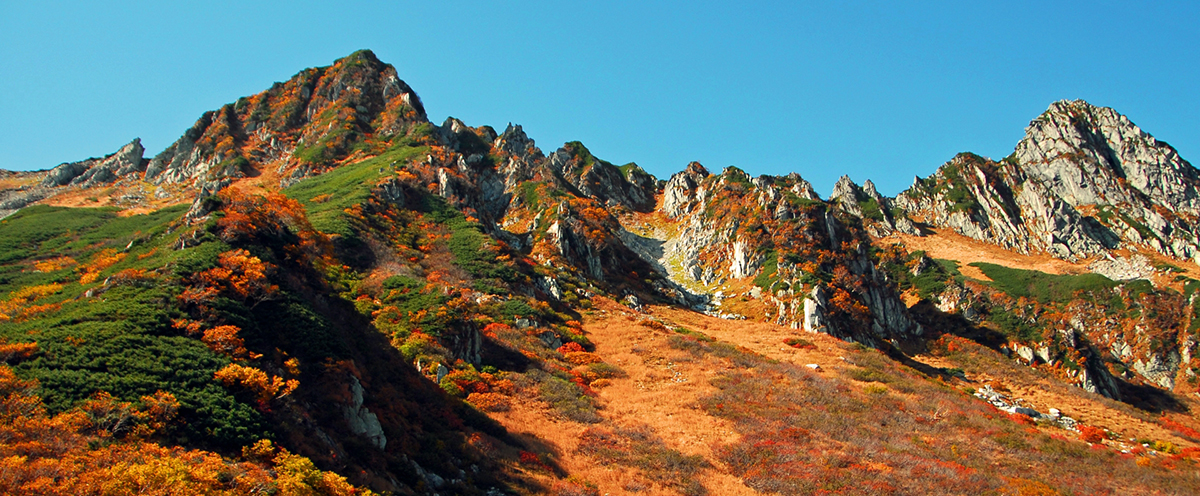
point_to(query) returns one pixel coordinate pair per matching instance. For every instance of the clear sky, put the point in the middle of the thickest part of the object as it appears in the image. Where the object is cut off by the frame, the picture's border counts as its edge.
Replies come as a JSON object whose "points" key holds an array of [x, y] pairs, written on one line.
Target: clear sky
{"points": [[874, 90]]}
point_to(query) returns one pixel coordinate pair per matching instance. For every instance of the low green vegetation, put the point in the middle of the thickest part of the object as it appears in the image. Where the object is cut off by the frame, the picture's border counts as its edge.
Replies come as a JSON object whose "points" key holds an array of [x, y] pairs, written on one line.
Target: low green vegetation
{"points": [[325, 197], [118, 338], [768, 274], [931, 280], [871, 210], [1040, 286]]}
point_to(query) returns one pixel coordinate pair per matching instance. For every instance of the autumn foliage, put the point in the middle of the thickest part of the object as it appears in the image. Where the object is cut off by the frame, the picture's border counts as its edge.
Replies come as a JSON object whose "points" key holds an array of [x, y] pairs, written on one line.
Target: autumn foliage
{"points": [[238, 274], [224, 339], [54, 264], [103, 448], [264, 387], [1091, 434], [101, 260], [271, 218], [20, 303]]}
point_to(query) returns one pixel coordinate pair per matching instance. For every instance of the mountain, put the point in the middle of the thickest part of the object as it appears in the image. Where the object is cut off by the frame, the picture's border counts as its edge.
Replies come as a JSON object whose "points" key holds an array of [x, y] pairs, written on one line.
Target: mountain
{"points": [[434, 309], [1084, 180]]}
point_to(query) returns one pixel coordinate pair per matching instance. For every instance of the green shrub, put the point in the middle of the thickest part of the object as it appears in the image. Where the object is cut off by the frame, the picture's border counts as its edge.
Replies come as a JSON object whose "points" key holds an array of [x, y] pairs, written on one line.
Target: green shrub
{"points": [[1014, 326], [566, 398], [1040, 286], [347, 186], [768, 274]]}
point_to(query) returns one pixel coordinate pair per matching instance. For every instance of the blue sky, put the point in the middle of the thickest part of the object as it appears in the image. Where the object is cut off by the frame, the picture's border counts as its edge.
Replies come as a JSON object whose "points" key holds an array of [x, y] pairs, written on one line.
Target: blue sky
{"points": [[875, 90]]}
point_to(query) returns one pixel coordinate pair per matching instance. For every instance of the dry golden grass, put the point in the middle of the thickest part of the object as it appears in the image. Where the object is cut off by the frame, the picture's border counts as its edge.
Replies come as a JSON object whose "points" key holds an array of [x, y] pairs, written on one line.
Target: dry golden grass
{"points": [[661, 391], [664, 389], [1043, 393], [949, 245]]}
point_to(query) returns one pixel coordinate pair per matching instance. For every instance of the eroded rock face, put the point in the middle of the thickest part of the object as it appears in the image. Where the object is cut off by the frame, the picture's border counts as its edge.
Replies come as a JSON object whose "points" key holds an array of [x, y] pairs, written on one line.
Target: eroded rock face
{"points": [[97, 171], [732, 226], [683, 190], [597, 179], [362, 421], [1083, 181], [874, 209]]}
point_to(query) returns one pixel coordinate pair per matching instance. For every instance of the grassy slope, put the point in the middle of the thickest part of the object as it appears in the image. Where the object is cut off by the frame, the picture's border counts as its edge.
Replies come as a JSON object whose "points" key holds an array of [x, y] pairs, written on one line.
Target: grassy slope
{"points": [[121, 340], [347, 186]]}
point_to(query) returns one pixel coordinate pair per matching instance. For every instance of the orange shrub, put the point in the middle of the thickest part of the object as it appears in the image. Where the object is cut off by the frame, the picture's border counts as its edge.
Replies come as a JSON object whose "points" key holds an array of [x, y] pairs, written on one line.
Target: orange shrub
{"points": [[238, 273], [17, 306], [1179, 428], [570, 347], [53, 264], [1091, 434], [101, 260], [264, 386], [1021, 418], [9, 351], [224, 339], [489, 402], [76, 453]]}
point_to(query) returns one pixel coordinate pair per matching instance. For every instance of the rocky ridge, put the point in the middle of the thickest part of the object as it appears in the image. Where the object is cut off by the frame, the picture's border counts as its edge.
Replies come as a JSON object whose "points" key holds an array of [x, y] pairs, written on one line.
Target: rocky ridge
{"points": [[729, 226], [1083, 181], [323, 116], [569, 225]]}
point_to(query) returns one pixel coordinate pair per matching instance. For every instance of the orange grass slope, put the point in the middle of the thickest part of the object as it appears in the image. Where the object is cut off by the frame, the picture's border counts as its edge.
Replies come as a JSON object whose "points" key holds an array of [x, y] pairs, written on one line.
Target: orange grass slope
{"points": [[711, 406], [946, 244]]}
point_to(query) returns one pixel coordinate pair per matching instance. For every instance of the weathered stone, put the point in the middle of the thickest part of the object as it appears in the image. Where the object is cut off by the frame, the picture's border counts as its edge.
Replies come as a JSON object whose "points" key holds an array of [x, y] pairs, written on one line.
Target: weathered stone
{"points": [[96, 171], [1083, 181], [362, 421]]}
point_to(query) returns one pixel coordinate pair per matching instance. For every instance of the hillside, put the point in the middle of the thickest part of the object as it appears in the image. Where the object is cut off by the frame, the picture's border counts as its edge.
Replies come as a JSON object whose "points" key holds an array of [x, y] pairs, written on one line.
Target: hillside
{"points": [[316, 290]]}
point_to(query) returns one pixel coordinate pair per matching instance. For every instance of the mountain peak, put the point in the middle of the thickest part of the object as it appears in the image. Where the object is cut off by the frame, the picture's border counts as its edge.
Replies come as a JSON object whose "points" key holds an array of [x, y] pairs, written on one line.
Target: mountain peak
{"points": [[318, 118], [1077, 166], [1094, 155]]}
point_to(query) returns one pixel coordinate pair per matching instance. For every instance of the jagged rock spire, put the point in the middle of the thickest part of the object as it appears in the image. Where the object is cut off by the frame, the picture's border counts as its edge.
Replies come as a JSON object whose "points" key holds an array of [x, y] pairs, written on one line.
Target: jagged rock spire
{"points": [[1083, 180]]}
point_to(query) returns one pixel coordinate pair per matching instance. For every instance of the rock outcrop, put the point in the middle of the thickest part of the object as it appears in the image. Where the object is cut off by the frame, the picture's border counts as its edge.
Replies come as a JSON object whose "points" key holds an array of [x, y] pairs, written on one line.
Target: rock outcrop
{"points": [[97, 171], [299, 127], [874, 209], [628, 186], [1083, 181], [730, 226]]}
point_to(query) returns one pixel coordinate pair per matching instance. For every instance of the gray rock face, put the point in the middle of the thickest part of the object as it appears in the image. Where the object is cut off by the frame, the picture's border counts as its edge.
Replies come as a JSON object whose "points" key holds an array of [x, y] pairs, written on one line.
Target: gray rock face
{"points": [[1084, 153], [712, 244], [605, 182], [182, 161], [573, 247], [873, 208], [363, 422], [97, 171], [681, 192], [1083, 181], [1123, 268]]}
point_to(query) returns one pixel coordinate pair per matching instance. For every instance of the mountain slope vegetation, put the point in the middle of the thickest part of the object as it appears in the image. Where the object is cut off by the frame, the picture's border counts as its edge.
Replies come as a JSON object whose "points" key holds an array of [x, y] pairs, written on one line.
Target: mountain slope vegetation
{"points": [[318, 291]]}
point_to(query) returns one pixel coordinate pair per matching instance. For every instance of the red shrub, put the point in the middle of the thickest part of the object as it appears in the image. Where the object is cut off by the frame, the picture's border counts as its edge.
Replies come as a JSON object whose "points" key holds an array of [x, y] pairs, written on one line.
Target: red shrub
{"points": [[1091, 434], [570, 347]]}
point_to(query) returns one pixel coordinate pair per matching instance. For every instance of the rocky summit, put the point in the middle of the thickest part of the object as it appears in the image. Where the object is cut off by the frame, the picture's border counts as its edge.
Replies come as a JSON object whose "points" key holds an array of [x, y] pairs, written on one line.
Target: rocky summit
{"points": [[1083, 181], [317, 290]]}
